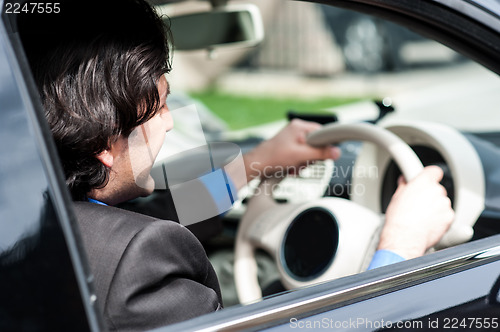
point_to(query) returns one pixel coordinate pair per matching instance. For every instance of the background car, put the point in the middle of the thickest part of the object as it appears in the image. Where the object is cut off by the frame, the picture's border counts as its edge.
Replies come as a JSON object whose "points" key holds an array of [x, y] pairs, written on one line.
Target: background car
{"points": [[447, 115], [370, 44], [367, 43]]}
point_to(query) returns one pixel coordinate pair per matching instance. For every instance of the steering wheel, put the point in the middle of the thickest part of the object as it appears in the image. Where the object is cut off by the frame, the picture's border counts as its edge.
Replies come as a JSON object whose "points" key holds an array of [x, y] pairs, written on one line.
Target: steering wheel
{"points": [[263, 215]]}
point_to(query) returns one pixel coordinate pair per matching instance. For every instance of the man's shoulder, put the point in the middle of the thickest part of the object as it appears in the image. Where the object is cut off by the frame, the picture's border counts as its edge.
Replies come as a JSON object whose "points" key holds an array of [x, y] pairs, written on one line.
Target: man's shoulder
{"points": [[107, 232], [130, 254], [98, 223], [95, 214]]}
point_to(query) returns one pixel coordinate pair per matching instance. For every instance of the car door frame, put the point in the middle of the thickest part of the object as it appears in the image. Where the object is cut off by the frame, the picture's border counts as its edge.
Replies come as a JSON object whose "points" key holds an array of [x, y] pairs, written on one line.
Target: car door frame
{"points": [[389, 287], [26, 97]]}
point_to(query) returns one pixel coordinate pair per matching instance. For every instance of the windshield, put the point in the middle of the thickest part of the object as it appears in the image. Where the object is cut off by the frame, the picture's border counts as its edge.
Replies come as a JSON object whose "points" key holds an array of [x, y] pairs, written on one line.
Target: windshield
{"points": [[321, 59]]}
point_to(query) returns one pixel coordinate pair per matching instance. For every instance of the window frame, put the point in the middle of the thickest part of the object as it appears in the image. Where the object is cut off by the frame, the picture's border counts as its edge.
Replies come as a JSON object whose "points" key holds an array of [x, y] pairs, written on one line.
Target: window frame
{"points": [[28, 97]]}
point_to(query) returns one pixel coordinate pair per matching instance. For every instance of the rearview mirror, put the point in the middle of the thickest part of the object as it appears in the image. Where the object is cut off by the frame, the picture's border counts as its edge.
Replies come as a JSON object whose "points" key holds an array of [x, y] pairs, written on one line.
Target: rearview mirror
{"points": [[236, 26]]}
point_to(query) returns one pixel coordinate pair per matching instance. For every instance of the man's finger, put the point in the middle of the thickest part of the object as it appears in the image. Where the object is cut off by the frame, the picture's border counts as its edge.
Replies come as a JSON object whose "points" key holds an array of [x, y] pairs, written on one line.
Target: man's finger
{"points": [[327, 152], [332, 152], [433, 173], [401, 180]]}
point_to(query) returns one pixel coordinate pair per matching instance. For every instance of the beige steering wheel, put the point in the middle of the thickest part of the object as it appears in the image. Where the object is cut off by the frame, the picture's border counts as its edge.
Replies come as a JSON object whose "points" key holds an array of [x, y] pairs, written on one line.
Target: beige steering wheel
{"points": [[245, 273]]}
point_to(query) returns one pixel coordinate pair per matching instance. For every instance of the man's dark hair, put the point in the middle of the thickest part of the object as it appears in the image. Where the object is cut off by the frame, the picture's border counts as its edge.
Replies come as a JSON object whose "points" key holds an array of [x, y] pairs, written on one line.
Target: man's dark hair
{"points": [[96, 64]]}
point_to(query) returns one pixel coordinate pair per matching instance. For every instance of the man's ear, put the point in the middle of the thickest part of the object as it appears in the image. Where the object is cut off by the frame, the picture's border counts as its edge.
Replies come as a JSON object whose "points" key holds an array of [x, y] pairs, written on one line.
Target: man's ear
{"points": [[106, 158]]}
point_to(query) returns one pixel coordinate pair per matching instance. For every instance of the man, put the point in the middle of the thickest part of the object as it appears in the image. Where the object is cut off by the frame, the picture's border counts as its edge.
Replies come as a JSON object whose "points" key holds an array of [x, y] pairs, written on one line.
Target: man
{"points": [[99, 67]]}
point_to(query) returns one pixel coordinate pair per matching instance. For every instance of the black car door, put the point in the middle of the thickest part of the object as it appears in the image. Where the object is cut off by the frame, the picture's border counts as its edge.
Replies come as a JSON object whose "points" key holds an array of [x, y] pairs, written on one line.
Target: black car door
{"points": [[44, 282]]}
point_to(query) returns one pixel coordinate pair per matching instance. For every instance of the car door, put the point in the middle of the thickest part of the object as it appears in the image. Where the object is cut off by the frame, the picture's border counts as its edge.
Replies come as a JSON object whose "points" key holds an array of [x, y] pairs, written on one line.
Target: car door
{"points": [[44, 281]]}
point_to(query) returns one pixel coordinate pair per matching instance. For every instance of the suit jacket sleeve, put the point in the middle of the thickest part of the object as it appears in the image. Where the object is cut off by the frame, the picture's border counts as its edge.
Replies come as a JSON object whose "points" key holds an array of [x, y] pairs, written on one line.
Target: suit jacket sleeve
{"points": [[163, 277]]}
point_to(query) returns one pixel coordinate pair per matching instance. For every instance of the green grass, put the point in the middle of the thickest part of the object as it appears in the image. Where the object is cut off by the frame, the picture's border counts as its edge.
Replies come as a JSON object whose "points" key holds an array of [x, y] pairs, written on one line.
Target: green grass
{"points": [[244, 111]]}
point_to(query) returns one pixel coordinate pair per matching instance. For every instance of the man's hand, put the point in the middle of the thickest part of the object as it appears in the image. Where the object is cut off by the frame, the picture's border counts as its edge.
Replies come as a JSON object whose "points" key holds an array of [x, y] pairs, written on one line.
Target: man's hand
{"points": [[418, 215], [286, 152]]}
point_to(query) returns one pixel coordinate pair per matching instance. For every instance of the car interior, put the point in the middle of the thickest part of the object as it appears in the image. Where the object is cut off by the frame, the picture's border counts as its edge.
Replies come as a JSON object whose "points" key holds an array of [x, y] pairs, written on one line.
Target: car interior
{"points": [[440, 123]]}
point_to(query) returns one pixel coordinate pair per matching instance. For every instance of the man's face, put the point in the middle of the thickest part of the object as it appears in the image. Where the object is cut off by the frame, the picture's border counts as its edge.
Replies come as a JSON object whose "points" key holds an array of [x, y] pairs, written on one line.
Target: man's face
{"points": [[134, 155]]}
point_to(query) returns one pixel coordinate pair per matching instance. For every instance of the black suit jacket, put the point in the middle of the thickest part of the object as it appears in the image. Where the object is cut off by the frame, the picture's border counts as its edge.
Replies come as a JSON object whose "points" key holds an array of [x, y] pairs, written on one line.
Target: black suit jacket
{"points": [[148, 272]]}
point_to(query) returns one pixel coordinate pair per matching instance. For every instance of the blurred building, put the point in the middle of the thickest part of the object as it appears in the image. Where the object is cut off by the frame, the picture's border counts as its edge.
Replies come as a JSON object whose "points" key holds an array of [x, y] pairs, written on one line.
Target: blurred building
{"points": [[296, 40]]}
